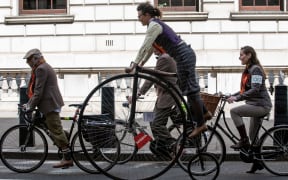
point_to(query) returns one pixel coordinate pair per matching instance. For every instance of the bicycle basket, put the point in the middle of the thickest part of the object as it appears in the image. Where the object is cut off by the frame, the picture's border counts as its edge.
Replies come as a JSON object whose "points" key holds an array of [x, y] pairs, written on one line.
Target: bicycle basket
{"points": [[99, 130], [210, 101]]}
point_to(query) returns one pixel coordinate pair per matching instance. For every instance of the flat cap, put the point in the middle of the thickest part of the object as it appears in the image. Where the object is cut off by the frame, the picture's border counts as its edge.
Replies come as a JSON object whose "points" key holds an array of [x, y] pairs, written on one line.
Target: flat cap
{"points": [[32, 52]]}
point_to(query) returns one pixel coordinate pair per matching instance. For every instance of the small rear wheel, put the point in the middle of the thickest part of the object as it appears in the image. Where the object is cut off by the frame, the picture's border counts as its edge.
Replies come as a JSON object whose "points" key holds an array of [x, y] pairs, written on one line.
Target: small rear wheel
{"points": [[209, 141], [203, 166]]}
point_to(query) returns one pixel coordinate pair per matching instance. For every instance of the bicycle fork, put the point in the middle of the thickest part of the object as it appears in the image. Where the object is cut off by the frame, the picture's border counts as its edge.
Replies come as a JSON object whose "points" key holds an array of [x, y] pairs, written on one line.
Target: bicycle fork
{"points": [[131, 119], [26, 139]]}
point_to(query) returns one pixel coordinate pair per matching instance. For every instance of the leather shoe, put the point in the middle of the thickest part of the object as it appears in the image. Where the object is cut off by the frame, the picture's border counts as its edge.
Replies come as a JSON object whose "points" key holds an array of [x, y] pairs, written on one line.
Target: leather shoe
{"points": [[243, 143], [208, 116], [64, 164], [256, 166], [196, 131]]}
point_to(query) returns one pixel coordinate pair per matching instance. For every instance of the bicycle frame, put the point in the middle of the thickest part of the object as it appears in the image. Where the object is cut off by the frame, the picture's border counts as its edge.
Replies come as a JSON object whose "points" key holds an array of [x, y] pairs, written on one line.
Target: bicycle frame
{"points": [[221, 114], [69, 135], [230, 135]]}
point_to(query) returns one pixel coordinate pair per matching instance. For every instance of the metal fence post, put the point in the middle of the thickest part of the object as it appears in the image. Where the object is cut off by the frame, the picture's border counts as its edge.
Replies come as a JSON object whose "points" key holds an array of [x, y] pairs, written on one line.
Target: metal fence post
{"points": [[23, 132], [281, 105], [281, 111], [107, 102]]}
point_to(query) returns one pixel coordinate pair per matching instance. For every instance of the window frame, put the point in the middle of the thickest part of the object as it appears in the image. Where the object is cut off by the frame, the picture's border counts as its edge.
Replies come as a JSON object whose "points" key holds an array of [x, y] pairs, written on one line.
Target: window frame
{"points": [[40, 11], [259, 8], [179, 8]]}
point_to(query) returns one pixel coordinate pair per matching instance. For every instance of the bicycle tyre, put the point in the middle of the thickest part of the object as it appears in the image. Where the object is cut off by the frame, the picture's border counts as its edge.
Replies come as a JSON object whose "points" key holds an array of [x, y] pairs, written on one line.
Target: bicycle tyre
{"points": [[203, 165], [79, 158], [214, 146], [144, 155], [22, 159], [274, 150]]}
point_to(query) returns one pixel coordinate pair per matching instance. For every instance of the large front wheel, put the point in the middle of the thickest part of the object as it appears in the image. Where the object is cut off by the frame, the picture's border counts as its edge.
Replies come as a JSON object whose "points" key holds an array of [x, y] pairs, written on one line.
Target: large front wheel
{"points": [[106, 103], [23, 149]]}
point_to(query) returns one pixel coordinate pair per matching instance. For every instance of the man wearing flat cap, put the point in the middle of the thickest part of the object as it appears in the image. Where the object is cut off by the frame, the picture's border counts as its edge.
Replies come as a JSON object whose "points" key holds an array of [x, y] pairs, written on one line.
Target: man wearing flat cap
{"points": [[44, 93]]}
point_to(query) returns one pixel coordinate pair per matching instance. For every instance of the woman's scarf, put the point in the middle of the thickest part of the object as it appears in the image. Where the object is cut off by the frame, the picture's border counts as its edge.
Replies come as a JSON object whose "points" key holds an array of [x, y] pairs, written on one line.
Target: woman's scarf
{"points": [[244, 80], [33, 78]]}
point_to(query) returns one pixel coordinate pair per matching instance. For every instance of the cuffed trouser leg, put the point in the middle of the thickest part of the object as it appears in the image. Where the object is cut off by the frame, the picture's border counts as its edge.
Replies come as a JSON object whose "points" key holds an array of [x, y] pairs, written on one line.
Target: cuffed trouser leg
{"points": [[54, 125], [196, 107], [158, 125]]}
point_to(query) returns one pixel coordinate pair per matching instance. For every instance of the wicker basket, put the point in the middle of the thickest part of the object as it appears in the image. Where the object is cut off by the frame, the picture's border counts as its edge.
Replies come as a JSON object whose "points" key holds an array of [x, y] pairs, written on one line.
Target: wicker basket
{"points": [[210, 101]]}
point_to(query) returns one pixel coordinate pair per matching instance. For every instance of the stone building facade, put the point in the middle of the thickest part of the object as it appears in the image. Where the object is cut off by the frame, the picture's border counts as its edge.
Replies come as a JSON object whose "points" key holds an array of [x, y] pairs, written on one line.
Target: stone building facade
{"points": [[106, 34]]}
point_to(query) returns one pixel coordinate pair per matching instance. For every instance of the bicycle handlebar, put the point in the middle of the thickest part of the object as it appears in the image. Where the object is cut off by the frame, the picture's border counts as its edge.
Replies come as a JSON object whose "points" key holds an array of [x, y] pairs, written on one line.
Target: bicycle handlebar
{"points": [[148, 70], [26, 114], [223, 96], [155, 72]]}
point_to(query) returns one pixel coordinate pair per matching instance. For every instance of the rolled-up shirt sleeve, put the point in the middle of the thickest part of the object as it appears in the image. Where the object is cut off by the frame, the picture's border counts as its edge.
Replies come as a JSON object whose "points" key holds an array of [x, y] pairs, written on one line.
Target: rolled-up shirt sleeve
{"points": [[145, 52]]}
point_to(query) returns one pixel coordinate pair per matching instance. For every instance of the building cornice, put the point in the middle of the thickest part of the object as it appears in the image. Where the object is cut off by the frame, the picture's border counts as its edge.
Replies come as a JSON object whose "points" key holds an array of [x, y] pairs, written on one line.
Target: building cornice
{"points": [[259, 15], [184, 16], [39, 19]]}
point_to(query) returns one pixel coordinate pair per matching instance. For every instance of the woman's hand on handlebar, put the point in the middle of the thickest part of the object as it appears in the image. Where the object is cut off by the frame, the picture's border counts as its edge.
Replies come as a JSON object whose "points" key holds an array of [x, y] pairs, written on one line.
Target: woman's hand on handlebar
{"points": [[131, 68], [231, 99]]}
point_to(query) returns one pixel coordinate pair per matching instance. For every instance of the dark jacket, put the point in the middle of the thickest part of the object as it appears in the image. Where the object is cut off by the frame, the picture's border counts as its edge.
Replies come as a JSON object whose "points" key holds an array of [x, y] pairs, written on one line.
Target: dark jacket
{"points": [[47, 96], [167, 64], [255, 90]]}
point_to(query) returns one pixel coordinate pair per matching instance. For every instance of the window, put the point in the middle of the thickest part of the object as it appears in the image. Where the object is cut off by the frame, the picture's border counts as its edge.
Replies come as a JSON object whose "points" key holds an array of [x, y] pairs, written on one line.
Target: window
{"points": [[178, 5], [261, 5], [42, 6]]}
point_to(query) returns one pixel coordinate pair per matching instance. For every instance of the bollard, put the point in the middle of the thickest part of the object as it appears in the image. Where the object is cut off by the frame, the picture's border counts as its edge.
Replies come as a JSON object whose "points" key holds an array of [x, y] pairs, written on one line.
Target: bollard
{"points": [[23, 132], [107, 102], [281, 111], [281, 105]]}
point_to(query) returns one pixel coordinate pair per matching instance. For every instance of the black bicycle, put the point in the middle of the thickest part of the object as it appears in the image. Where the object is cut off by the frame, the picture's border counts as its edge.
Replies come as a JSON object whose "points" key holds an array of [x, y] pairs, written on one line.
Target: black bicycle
{"points": [[271, 148], [135, 130], [24, 147]]}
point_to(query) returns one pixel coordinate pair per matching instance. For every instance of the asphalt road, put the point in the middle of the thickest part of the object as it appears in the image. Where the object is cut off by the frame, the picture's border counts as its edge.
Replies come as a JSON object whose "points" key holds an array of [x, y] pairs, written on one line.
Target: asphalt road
{"points": [[229, 170]]}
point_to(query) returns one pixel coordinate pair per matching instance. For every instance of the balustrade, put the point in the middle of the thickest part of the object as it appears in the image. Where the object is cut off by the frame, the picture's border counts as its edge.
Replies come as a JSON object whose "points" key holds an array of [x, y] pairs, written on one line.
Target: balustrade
{"points": [[211, 79]]}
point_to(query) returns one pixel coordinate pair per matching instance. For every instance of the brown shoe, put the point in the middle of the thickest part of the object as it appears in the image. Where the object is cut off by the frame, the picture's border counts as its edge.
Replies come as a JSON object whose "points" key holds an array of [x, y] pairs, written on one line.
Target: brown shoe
{"points": [[198, 130], [64, 164], [208, 116], [243, 143]]}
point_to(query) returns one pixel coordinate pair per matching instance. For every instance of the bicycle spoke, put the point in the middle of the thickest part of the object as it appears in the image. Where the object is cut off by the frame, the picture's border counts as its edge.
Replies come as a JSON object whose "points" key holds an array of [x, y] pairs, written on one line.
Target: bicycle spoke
{"points": [[274, 149], [136, 140], [24, 154]]}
